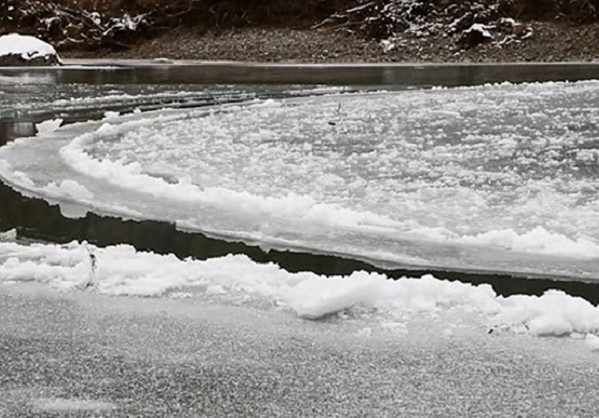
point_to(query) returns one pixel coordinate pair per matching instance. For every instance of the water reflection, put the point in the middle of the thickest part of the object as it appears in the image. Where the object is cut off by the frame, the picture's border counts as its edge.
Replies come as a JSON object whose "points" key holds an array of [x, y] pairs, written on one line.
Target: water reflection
{"points": [[338, 74], [11, 130]]}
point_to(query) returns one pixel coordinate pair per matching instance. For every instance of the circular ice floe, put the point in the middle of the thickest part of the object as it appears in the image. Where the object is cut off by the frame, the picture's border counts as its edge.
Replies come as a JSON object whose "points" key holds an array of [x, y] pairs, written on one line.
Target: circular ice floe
{"points": [[24, 50], [499, 177], [506, 166]]}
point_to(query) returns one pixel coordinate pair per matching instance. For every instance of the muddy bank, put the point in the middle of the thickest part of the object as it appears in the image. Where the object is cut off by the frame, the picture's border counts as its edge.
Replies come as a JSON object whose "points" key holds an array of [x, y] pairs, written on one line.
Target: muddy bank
{"points": [[552, 42]]}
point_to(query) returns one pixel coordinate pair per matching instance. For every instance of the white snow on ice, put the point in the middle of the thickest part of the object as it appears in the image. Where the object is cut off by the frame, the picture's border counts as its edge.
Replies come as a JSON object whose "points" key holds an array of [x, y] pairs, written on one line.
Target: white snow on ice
{"points": [[121, 270], [28, 47]]}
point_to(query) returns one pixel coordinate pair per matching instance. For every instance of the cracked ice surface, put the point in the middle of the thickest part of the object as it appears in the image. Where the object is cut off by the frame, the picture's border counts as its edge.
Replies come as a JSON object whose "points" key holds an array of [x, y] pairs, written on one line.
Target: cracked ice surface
{"points": [[499, 177]]}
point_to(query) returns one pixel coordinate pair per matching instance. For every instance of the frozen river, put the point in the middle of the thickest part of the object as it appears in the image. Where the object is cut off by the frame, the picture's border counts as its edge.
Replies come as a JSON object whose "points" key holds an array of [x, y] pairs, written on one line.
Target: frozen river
{"points": [[495, 179]]}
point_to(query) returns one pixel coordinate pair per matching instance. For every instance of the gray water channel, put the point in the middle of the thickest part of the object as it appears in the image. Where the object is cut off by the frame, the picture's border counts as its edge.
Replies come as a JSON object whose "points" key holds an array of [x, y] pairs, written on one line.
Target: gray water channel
{"points": [[200, 72]]}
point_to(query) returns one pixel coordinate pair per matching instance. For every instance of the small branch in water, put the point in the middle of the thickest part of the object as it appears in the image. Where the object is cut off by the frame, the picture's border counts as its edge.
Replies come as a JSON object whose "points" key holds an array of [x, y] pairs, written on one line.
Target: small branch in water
{"points": [[93, 261]]}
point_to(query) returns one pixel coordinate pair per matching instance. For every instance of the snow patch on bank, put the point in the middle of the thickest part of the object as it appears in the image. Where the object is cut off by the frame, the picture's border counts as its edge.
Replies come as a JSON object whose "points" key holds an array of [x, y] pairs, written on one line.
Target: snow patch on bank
{"points": [[121, 270], [27, 47]]}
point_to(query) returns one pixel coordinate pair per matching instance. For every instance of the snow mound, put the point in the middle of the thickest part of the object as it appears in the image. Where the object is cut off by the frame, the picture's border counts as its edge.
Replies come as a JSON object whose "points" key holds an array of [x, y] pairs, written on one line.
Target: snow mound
{"points": [[9, 235], [121, 270], [18, 50]]}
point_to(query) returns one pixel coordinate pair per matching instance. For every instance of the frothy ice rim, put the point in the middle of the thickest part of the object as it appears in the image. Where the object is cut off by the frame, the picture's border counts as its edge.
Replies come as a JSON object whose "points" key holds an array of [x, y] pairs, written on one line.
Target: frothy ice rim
{"points": [[535, 241], [123, 271]]}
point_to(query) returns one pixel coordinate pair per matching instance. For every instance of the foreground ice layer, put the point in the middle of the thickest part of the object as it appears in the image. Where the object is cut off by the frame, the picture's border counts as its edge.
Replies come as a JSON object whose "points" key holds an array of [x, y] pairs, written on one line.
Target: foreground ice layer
{"points": [[121, 270], [500, 177]]}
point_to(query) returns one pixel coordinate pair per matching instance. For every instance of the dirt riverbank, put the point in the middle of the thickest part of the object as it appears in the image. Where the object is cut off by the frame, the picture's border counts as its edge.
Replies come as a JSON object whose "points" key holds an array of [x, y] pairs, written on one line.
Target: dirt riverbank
{"points": [[551, 41]]}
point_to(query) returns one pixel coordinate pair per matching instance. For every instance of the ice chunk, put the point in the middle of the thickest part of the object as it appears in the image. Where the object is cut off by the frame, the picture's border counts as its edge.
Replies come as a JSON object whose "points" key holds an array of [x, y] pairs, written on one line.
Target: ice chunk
{"points": [[9, 235], [592, 342], [69, 188], [48, 126]]}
